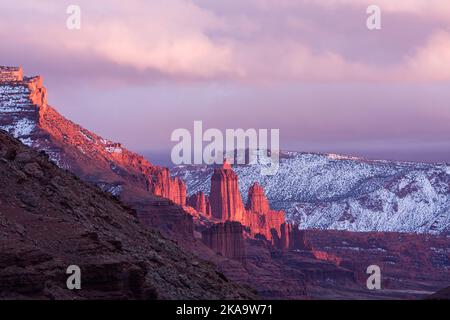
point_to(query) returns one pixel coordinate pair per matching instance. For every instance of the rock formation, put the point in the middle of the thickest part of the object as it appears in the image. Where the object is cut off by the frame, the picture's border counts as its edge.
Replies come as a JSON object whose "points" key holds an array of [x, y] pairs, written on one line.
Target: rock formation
{"points": [[200, 202], [11, 74], [50, 219], [257, 201], [290, 238], [226, 239], [227, 204], [225, 198], [259, 217], [24, 113]]}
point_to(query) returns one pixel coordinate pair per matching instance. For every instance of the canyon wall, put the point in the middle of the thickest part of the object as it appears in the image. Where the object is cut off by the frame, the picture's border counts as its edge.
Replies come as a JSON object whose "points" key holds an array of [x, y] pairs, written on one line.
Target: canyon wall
{"points": [[226, 239], [24, 113], [225, 198]]}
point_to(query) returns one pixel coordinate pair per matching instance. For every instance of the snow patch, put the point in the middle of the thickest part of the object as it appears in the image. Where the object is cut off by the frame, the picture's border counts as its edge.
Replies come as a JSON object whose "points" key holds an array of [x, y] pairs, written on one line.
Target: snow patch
{"points": [[113, 150], [22, 127]]}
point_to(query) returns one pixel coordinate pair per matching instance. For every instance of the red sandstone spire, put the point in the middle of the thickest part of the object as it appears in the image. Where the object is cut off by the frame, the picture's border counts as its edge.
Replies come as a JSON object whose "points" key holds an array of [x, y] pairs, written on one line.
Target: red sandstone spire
{"points": [[226, 165], [257, 201], [200, 202], [225, 198], [260, 217], [226, 204]]}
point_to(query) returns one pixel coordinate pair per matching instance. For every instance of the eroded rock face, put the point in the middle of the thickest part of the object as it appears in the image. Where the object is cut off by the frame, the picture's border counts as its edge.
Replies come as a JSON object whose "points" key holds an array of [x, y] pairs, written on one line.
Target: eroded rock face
{"points": [[326, 191], [225, 198], [200, 202], [227, 205], [124, 260], [50, 219], [11, 74], [226, 239], [256, 200], [24, 113], [409, 261], [290, 238]]}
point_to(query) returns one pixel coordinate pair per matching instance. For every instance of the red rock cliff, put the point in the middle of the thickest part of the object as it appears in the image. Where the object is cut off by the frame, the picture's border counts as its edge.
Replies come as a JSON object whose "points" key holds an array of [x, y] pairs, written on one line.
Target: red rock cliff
{"points": [[257, 201], [291, 238], [225, 198], [25, 114], [200, 202], [226, 239], [226, 204], [259, 217]]}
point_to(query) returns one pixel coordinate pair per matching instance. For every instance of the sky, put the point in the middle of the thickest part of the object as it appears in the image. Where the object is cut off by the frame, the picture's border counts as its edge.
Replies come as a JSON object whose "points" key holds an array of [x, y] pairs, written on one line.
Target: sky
{"points": [[138, 70]]}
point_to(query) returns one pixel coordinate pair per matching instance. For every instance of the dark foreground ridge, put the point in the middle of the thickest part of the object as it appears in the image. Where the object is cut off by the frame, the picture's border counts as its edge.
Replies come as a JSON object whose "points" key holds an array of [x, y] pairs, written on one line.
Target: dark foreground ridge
{"points": [[49, 220]]}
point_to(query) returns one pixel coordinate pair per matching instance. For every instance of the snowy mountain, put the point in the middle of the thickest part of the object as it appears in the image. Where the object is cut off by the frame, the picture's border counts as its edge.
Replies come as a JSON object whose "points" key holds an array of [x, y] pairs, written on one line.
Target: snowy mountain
{"points": [[328, 191], [26, 115], [316, 190]]}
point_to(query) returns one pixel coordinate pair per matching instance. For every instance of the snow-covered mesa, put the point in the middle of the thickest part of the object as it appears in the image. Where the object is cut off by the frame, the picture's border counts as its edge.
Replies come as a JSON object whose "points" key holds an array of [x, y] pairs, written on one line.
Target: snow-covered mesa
{"points": [[346, 193]]}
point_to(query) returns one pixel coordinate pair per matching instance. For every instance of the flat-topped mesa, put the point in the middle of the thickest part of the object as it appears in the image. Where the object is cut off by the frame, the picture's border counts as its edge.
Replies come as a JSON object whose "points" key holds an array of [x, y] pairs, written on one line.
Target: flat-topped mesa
{"points": [[11, 74], [200, 202], [17, 91], [24, 113], [225, 198], [22, 103]]}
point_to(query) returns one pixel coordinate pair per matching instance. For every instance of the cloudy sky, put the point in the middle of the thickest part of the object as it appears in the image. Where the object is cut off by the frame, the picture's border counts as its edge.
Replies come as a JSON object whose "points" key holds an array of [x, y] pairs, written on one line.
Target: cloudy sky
{"points": [[137, 70]]}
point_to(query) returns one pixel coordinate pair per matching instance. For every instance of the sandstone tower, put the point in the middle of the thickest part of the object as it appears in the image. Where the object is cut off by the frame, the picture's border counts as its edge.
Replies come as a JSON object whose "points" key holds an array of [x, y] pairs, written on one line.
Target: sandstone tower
{"points": [[225, 198]]}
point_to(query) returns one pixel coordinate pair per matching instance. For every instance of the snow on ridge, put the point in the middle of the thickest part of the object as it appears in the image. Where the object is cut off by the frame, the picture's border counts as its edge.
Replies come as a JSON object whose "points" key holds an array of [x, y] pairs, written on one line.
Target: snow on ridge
{"points": [[317, 191], [113, 149], [333, 156], [20, 128]]}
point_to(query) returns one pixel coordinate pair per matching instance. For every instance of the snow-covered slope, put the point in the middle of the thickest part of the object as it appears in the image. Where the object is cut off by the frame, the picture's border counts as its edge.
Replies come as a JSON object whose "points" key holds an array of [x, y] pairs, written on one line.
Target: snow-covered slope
{"points": [[17, 115], [336, 192], [25, 114]]}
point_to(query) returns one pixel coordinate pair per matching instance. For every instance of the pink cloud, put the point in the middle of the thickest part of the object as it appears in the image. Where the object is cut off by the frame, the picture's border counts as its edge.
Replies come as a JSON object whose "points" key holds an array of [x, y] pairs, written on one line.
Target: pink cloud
{"points": [[183, 39], [432, 61]]}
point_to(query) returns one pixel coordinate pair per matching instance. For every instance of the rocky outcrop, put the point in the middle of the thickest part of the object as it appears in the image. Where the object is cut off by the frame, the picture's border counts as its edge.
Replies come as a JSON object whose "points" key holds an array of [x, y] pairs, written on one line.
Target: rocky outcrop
{"points": [[226, 239], [38, 93], [22, 102], [256, 200], [163, 185], [227, 205], [24, 113], [291, 238], [326, 191], [410, 261], [11, 74], [282, 241], [50, 219], [225, 198], [200, 202], [259, 217]]}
